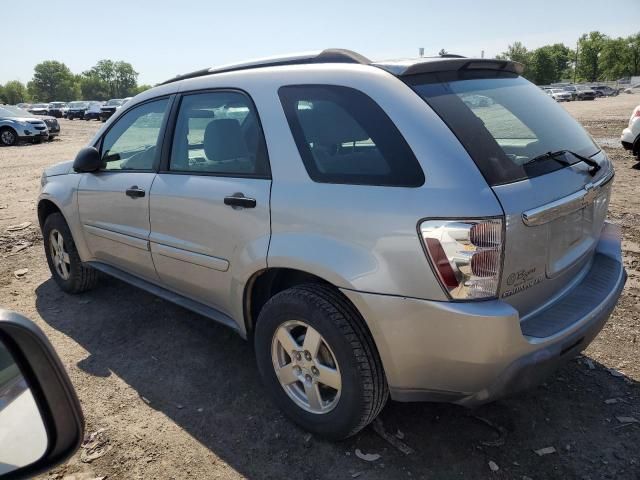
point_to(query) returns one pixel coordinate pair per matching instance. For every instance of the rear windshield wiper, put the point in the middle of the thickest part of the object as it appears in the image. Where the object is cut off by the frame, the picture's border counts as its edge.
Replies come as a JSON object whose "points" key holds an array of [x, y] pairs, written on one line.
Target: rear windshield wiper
{"points": [[594, 166]]}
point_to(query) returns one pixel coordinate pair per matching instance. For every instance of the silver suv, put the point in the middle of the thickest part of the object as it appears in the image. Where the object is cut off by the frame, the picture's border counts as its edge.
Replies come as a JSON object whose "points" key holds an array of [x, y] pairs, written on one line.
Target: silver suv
{"points": [[411, 229]]}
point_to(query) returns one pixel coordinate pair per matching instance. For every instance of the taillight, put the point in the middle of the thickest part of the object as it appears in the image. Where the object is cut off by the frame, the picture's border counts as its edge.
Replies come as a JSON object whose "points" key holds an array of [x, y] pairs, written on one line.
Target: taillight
{"points": [[634, 115], [466, 255]]}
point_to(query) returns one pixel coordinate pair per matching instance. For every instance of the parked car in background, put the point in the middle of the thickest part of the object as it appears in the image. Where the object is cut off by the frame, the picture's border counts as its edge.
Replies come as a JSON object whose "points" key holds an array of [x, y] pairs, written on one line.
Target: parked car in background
{"points": [[559, 95], [604, 91], [77, 109], [462, 279], [24, 106], [110, 108], [580, 92], [39, 109], [52, 125], [57, 109], [93, 111], [631, 135], [17, 124], [633, 89]]}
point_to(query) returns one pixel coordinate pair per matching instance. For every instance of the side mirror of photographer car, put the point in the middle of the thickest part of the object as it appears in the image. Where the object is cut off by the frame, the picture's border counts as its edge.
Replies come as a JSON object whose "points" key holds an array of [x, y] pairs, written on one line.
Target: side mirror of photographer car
{"points": [[41, 423]]}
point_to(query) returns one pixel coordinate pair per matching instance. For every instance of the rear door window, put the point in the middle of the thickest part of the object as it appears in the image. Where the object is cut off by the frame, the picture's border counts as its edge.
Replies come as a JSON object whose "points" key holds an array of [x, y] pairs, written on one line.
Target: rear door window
{"points": [[504, 122], [344, 137]]}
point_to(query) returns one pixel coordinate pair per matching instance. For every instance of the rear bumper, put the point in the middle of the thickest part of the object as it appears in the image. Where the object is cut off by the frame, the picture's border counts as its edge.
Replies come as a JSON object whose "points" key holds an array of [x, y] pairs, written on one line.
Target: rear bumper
{"points": [[473, 353]]}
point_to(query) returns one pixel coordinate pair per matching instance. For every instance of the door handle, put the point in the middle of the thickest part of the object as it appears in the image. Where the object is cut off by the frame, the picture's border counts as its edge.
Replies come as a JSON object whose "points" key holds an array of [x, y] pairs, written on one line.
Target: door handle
{"points": [[135, 192], [239, 200]]}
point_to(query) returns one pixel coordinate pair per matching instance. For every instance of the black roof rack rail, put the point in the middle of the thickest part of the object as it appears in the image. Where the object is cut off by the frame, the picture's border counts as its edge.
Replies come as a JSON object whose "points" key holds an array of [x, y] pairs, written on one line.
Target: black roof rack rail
{"points": [[329, 55]]}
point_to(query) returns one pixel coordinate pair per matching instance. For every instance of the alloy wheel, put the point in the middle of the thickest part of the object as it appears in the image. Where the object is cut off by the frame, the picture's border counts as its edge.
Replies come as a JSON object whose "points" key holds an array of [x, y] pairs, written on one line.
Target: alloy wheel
{"points": [[306, 367], [7, 137], [59, 254]]}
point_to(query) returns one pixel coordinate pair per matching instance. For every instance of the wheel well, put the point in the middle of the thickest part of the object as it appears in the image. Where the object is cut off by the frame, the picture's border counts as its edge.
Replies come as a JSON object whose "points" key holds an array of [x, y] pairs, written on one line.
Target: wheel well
{"points": [[6, 127], [46, 208], [267, 283], [636, 146]]}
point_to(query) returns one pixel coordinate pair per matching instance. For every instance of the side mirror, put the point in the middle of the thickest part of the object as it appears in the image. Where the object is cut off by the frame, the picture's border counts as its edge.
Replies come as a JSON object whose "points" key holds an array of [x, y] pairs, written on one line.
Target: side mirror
{"points": [[41, 422], [87, 160]]}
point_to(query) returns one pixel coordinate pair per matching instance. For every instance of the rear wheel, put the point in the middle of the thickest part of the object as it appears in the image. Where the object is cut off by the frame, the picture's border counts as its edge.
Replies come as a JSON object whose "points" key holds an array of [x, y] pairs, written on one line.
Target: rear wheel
{"points": [[8, 137], [318, 361], [67, 269]]}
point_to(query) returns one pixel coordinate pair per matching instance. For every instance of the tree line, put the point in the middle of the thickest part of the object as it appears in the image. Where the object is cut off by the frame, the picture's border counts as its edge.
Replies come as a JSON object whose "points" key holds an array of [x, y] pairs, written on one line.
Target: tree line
{"points": [[597, 57], [54, 81]]}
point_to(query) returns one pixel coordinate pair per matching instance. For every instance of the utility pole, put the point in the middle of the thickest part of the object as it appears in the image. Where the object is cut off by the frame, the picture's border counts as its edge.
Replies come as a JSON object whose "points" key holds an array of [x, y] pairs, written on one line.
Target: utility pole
{"points": [[481, 53], [421, 52]]}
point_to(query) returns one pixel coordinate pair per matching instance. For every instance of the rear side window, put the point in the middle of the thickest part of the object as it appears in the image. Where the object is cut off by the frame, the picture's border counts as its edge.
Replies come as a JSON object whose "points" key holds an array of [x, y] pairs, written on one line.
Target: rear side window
{"points": [[343, 136]]}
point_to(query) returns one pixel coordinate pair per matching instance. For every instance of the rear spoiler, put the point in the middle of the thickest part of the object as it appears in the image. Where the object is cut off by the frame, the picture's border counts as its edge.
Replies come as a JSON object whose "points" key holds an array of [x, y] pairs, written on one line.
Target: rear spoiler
{"points": [[429, 65]]}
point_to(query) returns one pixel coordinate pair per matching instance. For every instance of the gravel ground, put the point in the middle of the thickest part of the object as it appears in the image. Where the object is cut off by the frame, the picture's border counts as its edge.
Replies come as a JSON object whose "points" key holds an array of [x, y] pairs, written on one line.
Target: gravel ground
{"points": [[174, 395]]}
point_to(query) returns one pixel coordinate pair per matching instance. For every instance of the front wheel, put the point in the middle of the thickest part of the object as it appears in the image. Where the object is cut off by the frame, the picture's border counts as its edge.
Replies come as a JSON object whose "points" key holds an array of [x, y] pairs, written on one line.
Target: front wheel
{"points": [[8, 137], [318, 361], [67, 269]]}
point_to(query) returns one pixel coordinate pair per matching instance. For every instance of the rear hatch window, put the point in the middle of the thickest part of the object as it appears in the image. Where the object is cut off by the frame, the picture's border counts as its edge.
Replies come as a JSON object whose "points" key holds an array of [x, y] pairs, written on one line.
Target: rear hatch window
{"points": [[504, 122]]}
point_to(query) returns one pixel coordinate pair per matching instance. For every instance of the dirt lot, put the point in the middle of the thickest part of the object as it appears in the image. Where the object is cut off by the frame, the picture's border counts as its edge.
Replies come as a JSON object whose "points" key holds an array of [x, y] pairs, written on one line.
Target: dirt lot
{"points": [[179, 396]]}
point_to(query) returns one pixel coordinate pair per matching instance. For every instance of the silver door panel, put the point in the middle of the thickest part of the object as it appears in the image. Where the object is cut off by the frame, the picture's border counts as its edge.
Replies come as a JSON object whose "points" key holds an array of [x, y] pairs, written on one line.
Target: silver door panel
{"points": [[115, 226], [203, 248]]}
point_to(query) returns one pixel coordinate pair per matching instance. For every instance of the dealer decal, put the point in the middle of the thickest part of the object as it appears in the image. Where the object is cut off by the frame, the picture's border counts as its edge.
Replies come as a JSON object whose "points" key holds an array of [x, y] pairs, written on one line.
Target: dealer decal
{"points": [[522, 280]]}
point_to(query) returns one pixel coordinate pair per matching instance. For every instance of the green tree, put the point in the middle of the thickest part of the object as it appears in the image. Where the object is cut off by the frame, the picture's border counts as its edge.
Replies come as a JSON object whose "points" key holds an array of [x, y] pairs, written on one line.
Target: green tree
{"points": [[93, 88], [615, 59], [117, 79], [542, 67], [142, 88], [563, 58], [517, 52], [633, 53], [52, 80], [442, 52], [590, 48], [15, 92], [2, 99]]}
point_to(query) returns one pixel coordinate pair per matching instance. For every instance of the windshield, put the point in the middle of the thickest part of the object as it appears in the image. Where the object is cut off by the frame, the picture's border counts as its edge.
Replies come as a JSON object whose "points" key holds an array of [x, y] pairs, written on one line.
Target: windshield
{"points": [[78, 105], [114, 102], [40, 105], [491, 114], [57, 104], [557, 90]]}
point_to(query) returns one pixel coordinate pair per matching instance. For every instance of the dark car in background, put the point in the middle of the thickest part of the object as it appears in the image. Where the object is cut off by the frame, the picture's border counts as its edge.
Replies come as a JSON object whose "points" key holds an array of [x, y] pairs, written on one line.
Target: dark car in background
{"points": [[604, 91], [39, 109], [110, 108], [76, 110], [52, 125], [580, 92], [57, 109], [93, 111]]}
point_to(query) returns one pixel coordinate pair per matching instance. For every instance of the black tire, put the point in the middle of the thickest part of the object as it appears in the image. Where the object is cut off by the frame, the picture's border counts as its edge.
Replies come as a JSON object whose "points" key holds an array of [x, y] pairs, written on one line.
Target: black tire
{"points": [[8, 137], [364, 389], [82, 277]]}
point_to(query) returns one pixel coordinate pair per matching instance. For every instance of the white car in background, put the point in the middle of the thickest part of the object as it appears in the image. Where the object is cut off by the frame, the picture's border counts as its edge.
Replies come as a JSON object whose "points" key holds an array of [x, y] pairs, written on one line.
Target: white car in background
{"points": [[559, 95], [633, 89], [631, 135]]}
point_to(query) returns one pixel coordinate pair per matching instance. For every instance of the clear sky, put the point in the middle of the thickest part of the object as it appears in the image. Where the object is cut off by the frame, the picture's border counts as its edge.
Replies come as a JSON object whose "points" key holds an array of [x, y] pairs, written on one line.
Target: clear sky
{"points": [[166, 37]]}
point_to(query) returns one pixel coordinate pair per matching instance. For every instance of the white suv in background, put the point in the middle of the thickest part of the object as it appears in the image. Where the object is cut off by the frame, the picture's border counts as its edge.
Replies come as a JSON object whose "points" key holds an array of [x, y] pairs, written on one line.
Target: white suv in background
{"points": [[631, 135]]}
